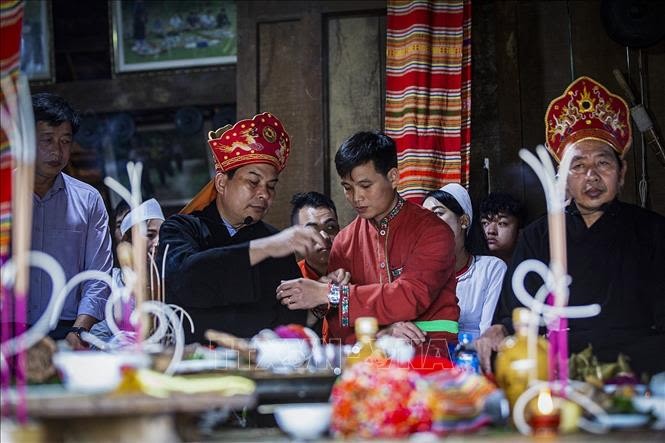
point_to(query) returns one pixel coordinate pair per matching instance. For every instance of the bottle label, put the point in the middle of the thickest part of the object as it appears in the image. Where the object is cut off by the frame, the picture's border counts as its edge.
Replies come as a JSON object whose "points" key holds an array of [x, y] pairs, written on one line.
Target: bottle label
{"points": [[468, 361]]}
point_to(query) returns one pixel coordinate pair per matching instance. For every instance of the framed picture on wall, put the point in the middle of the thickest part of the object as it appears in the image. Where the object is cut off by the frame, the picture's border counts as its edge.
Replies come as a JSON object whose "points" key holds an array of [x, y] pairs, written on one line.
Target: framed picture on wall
{"points": [[166, 34], [36, 41]]}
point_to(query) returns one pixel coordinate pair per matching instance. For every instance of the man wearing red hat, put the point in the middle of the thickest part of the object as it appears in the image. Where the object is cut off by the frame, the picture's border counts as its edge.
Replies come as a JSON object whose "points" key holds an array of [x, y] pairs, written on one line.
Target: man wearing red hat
{"points": [[616, 251], [223, 262]]}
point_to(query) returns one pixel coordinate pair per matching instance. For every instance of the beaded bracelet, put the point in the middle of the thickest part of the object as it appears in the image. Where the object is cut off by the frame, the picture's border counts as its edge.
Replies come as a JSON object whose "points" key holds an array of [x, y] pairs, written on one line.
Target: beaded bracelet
{"points": [[344, 303]]}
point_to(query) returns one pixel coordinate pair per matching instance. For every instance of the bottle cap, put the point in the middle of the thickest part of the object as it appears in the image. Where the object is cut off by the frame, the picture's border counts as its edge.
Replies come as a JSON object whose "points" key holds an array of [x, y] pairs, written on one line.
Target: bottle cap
{"points": [[366, 325], [521, 316]]}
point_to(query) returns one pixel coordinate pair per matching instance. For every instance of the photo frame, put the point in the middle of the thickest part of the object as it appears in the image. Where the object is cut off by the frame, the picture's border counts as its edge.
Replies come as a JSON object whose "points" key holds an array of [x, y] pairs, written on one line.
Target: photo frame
{"points": [[166, 34], [37, 41]]}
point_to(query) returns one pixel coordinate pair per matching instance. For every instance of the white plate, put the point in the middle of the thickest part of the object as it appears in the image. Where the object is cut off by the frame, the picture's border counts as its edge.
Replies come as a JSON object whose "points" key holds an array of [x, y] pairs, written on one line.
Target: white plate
{"points": [[623, 420]]}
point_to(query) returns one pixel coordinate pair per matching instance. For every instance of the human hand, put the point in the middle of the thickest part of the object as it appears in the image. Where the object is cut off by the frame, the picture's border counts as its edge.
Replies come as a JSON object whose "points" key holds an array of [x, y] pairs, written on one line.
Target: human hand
{"points": [[407, 330], [339, 277], [296, 239], [75, 342], [489, 341], [302, 293]]}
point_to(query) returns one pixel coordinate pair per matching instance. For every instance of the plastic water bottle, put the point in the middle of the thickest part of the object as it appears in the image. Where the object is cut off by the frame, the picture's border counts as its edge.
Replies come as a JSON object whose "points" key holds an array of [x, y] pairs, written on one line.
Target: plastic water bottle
{"points": [[466, 356]]}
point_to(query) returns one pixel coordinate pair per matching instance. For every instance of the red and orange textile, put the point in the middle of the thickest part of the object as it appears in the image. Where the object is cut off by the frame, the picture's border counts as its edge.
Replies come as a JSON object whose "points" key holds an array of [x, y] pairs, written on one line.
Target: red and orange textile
{"points": [[428, 92], [11, 20]]}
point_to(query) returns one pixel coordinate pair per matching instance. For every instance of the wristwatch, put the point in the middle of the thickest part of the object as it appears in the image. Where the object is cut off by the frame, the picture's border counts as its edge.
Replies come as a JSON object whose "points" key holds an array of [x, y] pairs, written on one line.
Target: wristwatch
{"points": [[333, 294]]}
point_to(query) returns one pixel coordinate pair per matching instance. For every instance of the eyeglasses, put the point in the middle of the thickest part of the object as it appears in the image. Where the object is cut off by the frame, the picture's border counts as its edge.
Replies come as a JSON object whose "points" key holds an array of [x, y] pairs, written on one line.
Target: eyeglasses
{"points": [[601, 166]]}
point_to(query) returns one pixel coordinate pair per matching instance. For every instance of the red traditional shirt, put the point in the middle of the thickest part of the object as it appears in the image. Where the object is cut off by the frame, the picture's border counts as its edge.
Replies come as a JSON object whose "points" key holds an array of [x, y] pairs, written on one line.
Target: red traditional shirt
{"points": [[401, 270]]}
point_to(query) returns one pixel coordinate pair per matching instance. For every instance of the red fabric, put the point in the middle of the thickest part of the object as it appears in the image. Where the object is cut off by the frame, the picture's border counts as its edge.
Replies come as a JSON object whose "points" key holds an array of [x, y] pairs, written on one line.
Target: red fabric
{"points": [[428, 92], [10, 35], [11, 21], [418, 244], [587, 109]]}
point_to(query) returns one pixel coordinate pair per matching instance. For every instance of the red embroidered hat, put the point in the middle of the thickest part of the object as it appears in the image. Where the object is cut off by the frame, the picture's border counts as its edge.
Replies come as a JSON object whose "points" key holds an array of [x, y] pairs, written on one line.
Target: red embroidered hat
{"points": [[587, 110], [262, 139], [259, 140]]}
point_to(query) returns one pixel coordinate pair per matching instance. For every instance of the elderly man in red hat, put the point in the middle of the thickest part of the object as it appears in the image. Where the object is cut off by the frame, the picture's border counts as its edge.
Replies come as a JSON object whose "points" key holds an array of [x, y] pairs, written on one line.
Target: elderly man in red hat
{"points": [[616, 251], [222, 261]]}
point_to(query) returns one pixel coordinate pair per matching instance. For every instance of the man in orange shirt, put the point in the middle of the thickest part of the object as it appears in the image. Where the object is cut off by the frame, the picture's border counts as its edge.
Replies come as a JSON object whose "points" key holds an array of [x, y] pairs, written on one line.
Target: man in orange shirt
{"points": [[400, 256], [318, 211], [315, 210]]}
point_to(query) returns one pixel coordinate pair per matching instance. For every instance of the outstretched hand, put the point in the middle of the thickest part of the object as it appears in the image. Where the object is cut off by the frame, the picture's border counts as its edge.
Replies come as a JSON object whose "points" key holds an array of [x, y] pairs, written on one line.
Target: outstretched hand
{"points": [[296, 239], [302, 293]]}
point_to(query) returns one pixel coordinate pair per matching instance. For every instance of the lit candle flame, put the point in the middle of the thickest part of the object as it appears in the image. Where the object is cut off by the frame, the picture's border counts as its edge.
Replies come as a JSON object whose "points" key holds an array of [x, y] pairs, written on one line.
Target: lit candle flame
{"points": [[545, 403]]}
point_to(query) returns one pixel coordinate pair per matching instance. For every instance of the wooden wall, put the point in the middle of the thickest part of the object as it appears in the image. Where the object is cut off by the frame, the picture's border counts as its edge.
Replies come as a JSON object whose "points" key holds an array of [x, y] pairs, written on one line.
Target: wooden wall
{"points": [[521, 59], [319, 67]]}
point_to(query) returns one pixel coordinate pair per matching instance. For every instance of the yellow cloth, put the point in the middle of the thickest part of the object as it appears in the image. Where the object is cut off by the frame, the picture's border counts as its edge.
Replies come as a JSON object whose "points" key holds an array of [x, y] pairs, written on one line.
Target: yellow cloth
{"points": [[160, 385], [202, 199]]}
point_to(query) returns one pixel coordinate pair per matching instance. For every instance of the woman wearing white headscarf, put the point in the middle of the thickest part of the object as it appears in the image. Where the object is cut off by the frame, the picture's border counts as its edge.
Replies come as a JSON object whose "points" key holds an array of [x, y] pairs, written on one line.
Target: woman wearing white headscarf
{"points": [[479, 277], [151, 214]]}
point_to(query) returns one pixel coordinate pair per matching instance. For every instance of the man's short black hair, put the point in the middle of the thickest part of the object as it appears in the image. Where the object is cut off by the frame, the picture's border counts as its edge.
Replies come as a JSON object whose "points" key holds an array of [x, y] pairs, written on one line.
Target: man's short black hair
{"points": [[54, 110], [311, 199], [362, 147], [501, 202]]}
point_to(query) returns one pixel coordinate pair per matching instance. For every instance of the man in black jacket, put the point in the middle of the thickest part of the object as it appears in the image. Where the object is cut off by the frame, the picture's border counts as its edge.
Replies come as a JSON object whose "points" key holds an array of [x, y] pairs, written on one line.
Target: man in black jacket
{"points": [[616, 251], [223, 262]]}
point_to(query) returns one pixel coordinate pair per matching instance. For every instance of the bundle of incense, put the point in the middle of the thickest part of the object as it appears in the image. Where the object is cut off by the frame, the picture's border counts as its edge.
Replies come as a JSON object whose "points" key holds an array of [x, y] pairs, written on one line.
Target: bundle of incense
{"points": [[18, 122]]}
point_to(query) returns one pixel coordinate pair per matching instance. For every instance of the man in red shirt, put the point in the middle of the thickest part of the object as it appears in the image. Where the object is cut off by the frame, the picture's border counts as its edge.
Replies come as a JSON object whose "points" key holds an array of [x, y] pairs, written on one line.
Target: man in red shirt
{"points": [[399, 255]]}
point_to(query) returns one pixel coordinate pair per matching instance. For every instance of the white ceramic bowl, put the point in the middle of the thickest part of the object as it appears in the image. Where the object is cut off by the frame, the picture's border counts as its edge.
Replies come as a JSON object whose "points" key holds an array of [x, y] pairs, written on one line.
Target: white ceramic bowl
{"points": [[95, 371], [304, 420], [282, 353]]}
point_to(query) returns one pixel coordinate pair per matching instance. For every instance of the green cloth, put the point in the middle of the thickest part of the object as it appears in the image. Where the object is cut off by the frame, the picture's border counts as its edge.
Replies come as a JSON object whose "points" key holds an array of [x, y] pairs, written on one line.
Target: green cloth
{"points": [[438, 326]]}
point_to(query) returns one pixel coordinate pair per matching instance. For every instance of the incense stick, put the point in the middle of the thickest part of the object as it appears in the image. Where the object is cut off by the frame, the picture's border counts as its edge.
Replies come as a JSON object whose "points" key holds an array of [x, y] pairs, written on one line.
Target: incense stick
{"points": [[19, 125]]}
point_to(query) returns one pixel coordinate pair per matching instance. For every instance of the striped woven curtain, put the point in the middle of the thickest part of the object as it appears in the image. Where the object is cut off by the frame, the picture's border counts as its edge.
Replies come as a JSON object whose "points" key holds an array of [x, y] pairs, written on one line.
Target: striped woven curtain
{"points": [[11, 17], [428, 92]]}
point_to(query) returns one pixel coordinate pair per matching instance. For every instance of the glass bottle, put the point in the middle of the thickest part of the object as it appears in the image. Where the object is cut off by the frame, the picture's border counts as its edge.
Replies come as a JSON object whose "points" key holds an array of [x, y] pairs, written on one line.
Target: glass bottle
{"points": [[513, 368], [366, 329]]}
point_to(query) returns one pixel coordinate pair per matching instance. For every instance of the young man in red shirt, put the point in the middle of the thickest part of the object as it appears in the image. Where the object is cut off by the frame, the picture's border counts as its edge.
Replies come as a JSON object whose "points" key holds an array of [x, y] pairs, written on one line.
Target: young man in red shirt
{"points": [[400, 256]]}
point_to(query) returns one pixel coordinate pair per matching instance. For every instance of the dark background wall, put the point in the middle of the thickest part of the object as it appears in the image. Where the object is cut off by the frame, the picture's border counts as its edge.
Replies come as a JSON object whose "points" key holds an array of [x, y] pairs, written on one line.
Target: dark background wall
{"points": [[319, 66], [521, 59]]}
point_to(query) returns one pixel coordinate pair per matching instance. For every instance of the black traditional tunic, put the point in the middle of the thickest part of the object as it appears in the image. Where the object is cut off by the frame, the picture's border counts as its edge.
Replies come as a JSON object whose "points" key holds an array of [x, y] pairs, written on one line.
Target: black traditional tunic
{"points": [[619, 262], [208, 273]]}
